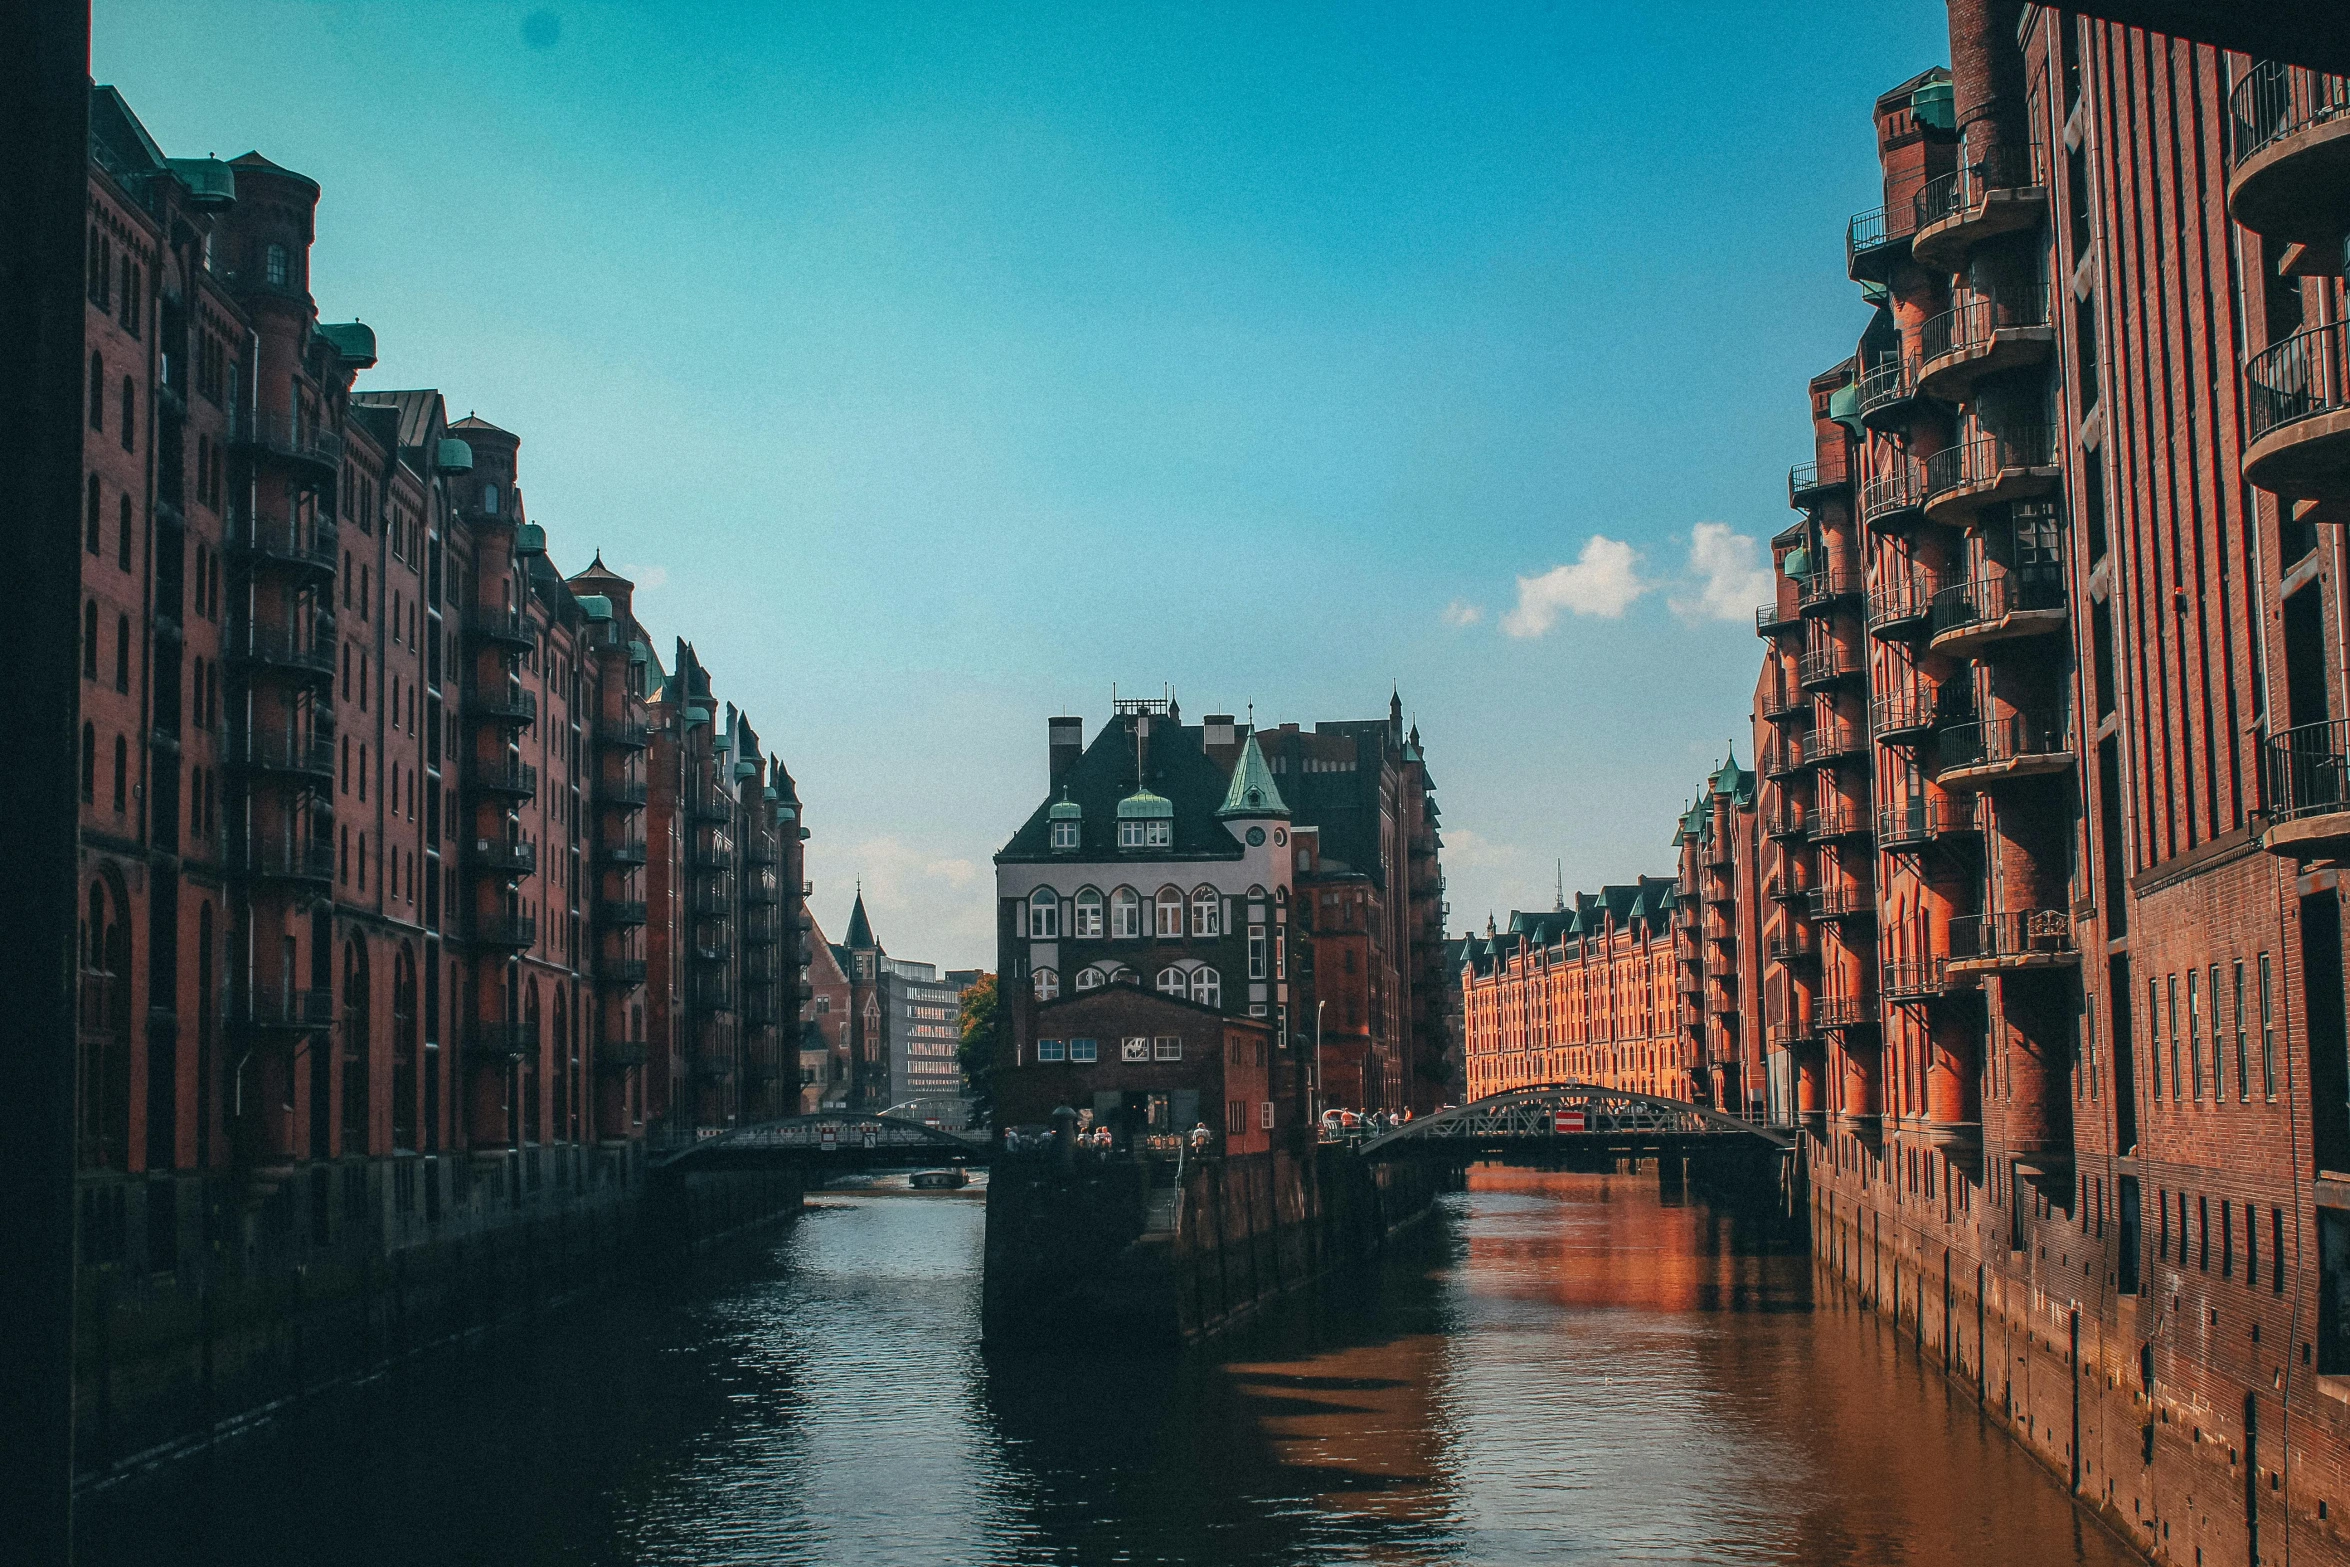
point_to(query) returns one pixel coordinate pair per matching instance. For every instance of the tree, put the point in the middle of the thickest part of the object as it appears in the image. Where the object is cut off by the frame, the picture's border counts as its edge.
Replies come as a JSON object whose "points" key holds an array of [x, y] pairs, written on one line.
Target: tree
{"points": [[980, 1020]]}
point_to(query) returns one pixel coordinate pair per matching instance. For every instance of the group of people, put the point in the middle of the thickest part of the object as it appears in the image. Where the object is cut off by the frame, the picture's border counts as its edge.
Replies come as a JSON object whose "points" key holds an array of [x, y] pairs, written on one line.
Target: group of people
{"points": [[1363, 1123]]}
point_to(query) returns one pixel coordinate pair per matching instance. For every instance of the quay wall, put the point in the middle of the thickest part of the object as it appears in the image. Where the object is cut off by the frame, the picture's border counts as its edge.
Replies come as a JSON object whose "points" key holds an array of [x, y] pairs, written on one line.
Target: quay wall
{"points": [[1132, 1254], [225, 1300]]}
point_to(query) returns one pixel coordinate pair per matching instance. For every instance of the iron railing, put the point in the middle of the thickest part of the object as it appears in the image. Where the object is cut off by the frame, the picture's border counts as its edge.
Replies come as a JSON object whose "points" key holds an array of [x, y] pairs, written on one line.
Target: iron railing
{"points": [[1839, 820], [621, 971], [1968, 328], [2005, 167], [621, 911], [1900, 604], [1786, 819], [280, 752], [1824, 587], [282, 543], [1831, 741], [1913, 979], [628, 851], [633, 733], [506, 930], [291, 861], [1892, 379], [1782, 757], [2013, 738], [2302, 376], [509, 705], [508, 777], [282, 1009], [1984, 599], [1844, 1011], [506, 856], [2309, 770], [1887, 497], [1842, 902], [494, 1043], [1981, 459], [628, 792], [501, 625], [283, 435], [2015, 933], [1777, 615], [281, 647], [1829, 663], [1915, 823], [2274, 101]]}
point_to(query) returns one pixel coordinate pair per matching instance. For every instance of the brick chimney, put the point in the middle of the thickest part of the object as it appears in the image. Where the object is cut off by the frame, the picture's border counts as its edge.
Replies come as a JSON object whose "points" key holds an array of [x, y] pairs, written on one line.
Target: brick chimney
{"points": [[1066, 744]]}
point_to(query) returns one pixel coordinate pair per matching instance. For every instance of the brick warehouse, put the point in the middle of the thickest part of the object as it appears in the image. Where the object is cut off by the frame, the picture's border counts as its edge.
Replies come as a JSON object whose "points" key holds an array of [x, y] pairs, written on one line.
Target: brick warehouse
{"points": [[2030, 915], [417, 894]]}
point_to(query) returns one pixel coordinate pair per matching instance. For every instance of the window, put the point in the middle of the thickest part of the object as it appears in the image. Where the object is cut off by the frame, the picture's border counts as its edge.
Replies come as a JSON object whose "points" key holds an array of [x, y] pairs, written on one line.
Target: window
{"points": [[1089, 978], [122, 537], [2195, 1034], [1130, 835], [90, 640], [1044, 914], [1065, 835], [1207, 987], [122, 652], [273, 266], [91, 518], [1207, 913], [1167, 1047], [130, 413], [1170, 914], [1172, 982], [122, 776], [1125, 915], [97, 391], [2243, 1056], [2171, 982], [2268, 1037], [2154, 1032], [1235, 1117], [1047, 984], [1256, 952], [89, 764], [1158, 834], [1265, 1114], [1086, 916], [1085, 1049], [1134, 1048], [1052, 1050]]}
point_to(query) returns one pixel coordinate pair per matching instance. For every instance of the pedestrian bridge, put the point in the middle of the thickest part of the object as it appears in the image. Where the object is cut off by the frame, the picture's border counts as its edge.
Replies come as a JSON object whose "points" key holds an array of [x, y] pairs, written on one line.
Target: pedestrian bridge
{"points": [[842, 1141], [1571, 1120]]}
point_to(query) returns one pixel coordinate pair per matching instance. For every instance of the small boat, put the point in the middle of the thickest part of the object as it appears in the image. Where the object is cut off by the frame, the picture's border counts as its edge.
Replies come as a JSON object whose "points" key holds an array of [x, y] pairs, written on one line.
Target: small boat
{"points": [[939, 1180]]}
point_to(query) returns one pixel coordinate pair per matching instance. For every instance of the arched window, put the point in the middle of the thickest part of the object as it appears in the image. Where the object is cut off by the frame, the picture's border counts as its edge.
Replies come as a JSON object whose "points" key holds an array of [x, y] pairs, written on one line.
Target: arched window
{"points": [[1087, 920], [90, 518], [1170, 913], [90, 640], [122, 533], [1089, 978], [1207, 986], [122, 652], [130, 413], [404, 1048], [1172, 982], [97, 390], [1207, 913], [122, 776], [1044, 914], [1125, 915], [357, 1005], [89, 764], [1047, 984]]}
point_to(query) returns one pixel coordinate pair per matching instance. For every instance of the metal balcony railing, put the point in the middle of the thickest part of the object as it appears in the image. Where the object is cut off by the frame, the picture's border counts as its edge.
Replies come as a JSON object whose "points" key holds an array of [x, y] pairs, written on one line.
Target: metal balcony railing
{"points": [[1965, 188], [1844, 1011], [272, 1009], [506, 856], [620, 971], [628, 851], [621, 911], [506, 777], [2274, 101], [2016, 737], [1795, 945], [497, 624], [1784, 820], [283, 435], [311, 756], [1916, 823], [1990, 599], [1829, 903], [1779, 614], [628, 733], [313, 862], [1829, 663], [759, 889], [1900, 604], [1913, 979], [1808, 481], [710, 807], [1886, 498], [1981, 459], [711, 900], [1784, 698], [2019, 933], [1782, 756], [280, 542], [501, 1043], [1826, 587], [282, 648], [1892, 380], [2309, 770], [1839, 820], [627, 793], [1969, 328], [503, 704], [506, 930], [2304, 375], [762, 851], [1830, 741]]}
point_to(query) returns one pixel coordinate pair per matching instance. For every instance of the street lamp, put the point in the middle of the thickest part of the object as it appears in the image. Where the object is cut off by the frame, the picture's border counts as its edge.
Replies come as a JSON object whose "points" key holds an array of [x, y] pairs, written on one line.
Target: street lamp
{"points": [[1314, 1075]]}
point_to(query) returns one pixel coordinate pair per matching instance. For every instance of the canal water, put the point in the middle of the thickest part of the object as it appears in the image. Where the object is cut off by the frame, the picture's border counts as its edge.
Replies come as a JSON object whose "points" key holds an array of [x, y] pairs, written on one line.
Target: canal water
{"points": [[1555, 1368]]}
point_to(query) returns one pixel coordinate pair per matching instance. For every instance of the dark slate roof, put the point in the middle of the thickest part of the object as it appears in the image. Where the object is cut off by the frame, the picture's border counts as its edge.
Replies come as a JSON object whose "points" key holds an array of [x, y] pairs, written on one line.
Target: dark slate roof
{"points": [[415, 408], [1104, 774], [860, 928]]}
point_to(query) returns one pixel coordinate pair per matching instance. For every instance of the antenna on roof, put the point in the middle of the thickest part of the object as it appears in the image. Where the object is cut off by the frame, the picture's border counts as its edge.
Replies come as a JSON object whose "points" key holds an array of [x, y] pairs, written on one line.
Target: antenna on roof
{"points": [[1560, 906]]}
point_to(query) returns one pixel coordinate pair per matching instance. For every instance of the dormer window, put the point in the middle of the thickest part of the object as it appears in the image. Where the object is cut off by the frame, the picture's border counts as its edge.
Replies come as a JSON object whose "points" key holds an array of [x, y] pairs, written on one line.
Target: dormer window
{"points": [[1064, 836], [1146, 820]]}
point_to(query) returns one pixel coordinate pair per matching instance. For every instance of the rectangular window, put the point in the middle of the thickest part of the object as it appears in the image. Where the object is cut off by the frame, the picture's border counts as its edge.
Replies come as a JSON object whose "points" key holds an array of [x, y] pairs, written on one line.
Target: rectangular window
{"points": [[1052, 1050], [2132, 1234], [1064, 835], [2276, 1250], [1265, 1115], [1280, 952], [2251, 1246], [2243, 1056], [1167, 1047], [1130, 835], [2195, 1032], [1256, 952], [2268, 1037], [2154, 1032], [1235, 1116], [2175, 1085], [2162, 1210], [1085, 1050], [1134, 1048], [1161, 834], [2227, 1239]]}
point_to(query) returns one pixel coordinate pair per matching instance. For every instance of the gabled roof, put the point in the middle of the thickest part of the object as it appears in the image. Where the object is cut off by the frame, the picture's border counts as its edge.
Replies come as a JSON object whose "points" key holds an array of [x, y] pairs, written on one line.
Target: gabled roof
{"points": [[419, 411], [1253, 792], [1103, 777], [860, 928]]}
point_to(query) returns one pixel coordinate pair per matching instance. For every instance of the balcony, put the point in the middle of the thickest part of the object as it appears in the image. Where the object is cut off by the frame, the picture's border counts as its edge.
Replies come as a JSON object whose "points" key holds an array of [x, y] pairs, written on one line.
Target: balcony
{"points": [[1900, 607], [1777, 616], [714, 859], [1913, 979], [620, 911], [711, 901], [628, 851], [623, 972], [1833, 742], [1828, 665], [712, 993], [2002, 191], [312, 863], [2016, 939], [710, 807], [1903, 717], [628, 794], [1877, 241], [507, 627], [1991, 751], [2309, 790], [1720, 997], [1819, 592], [762, 851], [1786, 882], [291, 755], [510, 706], [1844, 903], [1809, 483], [1842, 1012], [1890, 502], [280, 543], [1782, 756], [279, 650], [506, 930], [508, 777], [505, 856], [759, 890], [1795, 944], [290, 439], [1839, 820], [618, 1055], [2297, 396], [627, 734], [501, 1044], [1784, 698], [284, 1012], [1785, 819], [761, 932], [1918, 823], [1980, 338], [2289, 153], [1789, 1036], [1888, 394], [2025, 601], [1989, 470]]}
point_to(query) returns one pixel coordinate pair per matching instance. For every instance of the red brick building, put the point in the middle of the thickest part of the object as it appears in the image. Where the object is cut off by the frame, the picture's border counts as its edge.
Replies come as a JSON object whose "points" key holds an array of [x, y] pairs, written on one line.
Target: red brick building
{"points": [[367, 943]]}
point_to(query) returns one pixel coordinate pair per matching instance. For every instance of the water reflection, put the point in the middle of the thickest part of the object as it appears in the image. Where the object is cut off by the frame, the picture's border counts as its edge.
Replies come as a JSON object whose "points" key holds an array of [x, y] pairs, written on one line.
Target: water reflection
{"points": [[1556, 1368]]}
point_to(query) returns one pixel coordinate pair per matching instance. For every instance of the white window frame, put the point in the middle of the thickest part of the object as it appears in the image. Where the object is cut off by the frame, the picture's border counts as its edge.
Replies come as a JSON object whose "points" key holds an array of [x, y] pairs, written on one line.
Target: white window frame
{"points": [[1052, 1050], [1159, 833], [1065, 834], [1169, 900], [1172, 982], [1256, 952], [1207, 912], [1088, 978], [1044, 915], [1207, 986], [1126, 915], [1134, 1047], [1046, 983], [1130, 834], [1083, 1051], [1167, 1047], [1085, 915], [1265, 1115]]}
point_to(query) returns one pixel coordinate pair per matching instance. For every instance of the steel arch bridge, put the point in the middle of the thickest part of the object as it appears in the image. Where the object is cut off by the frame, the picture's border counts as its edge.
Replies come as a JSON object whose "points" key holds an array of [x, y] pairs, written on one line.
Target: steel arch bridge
{"points": [[843, 1140], [1566, 1119]]}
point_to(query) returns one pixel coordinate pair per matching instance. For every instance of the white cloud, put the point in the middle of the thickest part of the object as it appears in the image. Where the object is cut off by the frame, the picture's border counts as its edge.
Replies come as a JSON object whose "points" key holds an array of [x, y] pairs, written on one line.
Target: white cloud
{"points": [[915, 895], [646, 578], [1727, 573], [1603, 581], [1462, 613]]}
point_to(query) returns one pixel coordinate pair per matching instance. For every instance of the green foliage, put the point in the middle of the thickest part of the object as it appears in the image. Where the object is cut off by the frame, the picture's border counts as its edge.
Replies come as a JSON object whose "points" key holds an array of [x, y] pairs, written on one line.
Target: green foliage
{"points": [[980, 1019]]}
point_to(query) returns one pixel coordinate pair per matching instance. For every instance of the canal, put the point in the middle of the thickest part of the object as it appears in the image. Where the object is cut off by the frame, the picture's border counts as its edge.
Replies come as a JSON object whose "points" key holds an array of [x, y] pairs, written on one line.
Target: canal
{"points": [[1555, 1368]]}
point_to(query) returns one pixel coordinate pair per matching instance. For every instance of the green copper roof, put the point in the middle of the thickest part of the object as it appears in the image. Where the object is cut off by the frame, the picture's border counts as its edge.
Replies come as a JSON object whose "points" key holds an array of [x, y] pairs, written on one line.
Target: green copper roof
{"points": [[1933, 106], [1844, 406], [595, 606], [1797, 562], [1065, 809], [353, 340], [454, 456], [1729, 777], [530, 539], [1253, 792], [212, 185], [1142, 805]]}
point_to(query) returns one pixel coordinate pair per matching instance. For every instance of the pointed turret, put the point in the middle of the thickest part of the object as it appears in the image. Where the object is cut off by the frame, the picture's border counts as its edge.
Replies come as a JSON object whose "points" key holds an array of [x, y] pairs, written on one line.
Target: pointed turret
{"points": [[1253, 792], [860, 932]]}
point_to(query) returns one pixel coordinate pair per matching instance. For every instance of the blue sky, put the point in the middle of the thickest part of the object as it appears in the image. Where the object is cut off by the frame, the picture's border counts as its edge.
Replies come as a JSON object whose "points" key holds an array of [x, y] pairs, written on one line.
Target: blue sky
{"points": [[937, 366]]}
